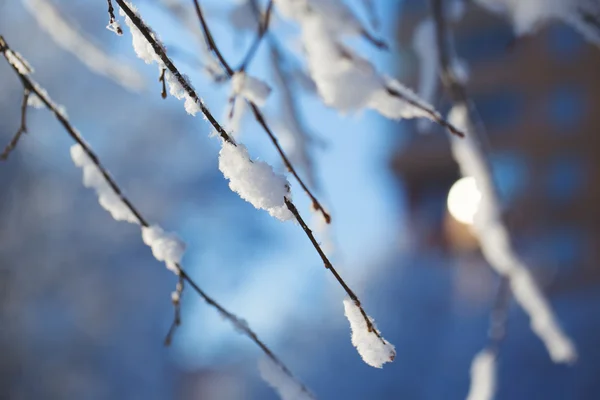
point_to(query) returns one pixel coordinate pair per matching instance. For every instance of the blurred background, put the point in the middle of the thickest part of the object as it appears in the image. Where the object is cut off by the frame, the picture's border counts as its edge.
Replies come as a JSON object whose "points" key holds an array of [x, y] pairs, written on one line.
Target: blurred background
{"points": [[84, 307]]}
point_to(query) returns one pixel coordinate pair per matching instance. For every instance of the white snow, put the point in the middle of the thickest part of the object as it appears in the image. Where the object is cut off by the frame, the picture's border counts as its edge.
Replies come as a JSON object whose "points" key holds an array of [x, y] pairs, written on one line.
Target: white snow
{"points": [[19, 62], [143, 49], [166, 247], [496, 245], [374, 350], [483, 376], [252, 89], [93, 178], [332, 65], [255, 181], [286, 387], [34, 101], [70, 39]]}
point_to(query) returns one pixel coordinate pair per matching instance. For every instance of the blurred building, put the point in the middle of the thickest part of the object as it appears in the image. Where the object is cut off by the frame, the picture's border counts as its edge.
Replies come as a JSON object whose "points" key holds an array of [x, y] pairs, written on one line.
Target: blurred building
{"points": [[536, 96]]}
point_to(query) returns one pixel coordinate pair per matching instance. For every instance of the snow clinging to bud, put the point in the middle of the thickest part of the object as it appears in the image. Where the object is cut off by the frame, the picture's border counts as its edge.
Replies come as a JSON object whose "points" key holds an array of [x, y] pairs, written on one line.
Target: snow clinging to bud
{"points": [[373, 349]]}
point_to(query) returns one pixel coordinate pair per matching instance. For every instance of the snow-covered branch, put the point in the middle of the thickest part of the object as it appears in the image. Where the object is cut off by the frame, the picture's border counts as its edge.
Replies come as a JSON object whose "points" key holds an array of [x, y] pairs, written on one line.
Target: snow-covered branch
{"points": [[324, 26], [153, 50], [488, 226], [166, 247], [252, 95]]}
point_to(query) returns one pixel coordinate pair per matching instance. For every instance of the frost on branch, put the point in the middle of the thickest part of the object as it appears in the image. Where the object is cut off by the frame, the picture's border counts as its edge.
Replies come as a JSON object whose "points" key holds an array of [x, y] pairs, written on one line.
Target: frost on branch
{"points": [[286, 387], [16, 60], [255, 181], [497, 248], [144, 50], [93, 178], [252, 89], [373, 349], [483, 376], [166, 247], [70, 39]]}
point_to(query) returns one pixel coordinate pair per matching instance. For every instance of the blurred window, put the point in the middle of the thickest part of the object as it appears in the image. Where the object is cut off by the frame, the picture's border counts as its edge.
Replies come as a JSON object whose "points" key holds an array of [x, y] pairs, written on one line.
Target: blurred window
{"points": [[566, 107], [564, 43], [566, 178], [500, 110], [484, 44], [510, 172]]}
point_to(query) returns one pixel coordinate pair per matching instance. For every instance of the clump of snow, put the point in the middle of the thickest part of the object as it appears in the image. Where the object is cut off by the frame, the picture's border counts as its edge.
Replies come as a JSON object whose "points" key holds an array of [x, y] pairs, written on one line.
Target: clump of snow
{"points": [[143, 49], [497, 247], [93, 178], [166, 247], [255, 181], [284, 384], [65, 35], [252, 89], [373, 349], [483, 376], [332, 65], [34, 101], [17, 61]]}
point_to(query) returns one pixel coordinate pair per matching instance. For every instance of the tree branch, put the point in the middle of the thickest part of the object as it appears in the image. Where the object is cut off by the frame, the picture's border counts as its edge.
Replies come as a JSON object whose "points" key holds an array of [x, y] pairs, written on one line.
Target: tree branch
{"points": [[238, 323], [258, 114], [22, 128], [263, 27]]}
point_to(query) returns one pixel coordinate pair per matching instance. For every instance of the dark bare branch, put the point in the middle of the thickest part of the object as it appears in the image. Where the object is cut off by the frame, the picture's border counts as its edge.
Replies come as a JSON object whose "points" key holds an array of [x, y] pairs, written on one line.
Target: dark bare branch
{"points": [[237, 322], [258, 114], [22, 128], [263, 27], [176, 300], [112, 20]]}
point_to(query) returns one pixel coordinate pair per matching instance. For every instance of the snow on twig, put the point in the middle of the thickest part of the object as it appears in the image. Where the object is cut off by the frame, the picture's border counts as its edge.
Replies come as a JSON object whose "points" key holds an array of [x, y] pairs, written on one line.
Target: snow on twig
{"points": [[373, 348], [162, 244]]}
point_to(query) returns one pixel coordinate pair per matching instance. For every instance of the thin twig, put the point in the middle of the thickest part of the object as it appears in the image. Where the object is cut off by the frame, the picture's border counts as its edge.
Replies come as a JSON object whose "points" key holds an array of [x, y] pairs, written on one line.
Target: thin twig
{"points": [[259, 116], [160, 52], [162, 55], [330, 267], [176, 300], [434, 115], [161, 79], [263, 27], [210, 41], [112, 19], [458, 94], [22, 128], [237, 322]]}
